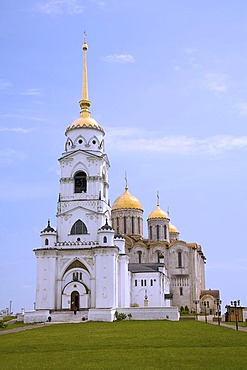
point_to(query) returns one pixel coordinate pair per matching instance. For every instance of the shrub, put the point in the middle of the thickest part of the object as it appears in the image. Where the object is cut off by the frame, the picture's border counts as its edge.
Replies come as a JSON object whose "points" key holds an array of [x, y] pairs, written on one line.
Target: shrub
{"points": [[186, 309], [2, 325], [120, 316]]}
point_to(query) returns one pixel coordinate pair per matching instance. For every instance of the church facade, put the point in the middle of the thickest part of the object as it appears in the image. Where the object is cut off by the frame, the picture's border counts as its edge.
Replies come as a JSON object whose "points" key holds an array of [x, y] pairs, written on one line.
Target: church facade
{"points": [[97, 260]]}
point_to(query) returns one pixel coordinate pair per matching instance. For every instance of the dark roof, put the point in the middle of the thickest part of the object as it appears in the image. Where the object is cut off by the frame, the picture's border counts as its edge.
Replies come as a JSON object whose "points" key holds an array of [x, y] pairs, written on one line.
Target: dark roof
{"points": [[213, 293], [48, 228], [145, 267], [106, 226]]}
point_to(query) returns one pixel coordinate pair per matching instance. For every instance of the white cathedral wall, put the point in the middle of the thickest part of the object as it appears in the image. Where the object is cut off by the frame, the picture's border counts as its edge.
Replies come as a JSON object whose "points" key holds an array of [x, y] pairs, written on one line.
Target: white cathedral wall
{"points": [[46, 279], [144, 294], [106, 277], [91, 219]]}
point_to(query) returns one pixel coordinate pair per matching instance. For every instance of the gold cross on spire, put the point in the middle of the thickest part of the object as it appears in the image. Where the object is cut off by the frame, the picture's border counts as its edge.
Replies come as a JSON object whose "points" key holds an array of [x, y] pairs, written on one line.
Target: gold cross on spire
{"points": [[158, 198], [126, 181]]}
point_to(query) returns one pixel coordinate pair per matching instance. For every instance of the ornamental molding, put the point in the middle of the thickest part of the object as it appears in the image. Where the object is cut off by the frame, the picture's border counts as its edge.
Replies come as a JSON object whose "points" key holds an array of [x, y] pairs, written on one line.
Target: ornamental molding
{"points": [[66, 161], [94, 178], [64, 180], [76, 244]]}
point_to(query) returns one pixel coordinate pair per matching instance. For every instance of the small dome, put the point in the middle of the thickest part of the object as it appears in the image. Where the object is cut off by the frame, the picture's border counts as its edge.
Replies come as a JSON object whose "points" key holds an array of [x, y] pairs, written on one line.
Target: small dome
{"points": [[126, 201], [173, 229], [48, 228], [157, 213], [84, 122], [106, 226]]}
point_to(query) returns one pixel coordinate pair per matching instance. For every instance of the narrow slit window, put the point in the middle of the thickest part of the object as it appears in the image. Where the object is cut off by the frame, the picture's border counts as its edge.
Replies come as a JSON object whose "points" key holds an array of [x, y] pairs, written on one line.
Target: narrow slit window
{"points": [[139, 256], [158, 232], [125, 225], [133, 225], [179, 259]]}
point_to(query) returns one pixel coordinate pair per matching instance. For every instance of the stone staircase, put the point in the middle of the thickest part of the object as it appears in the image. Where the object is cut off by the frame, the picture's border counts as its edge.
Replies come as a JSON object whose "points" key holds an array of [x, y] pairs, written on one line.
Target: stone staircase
{"points": [[69, 316]]}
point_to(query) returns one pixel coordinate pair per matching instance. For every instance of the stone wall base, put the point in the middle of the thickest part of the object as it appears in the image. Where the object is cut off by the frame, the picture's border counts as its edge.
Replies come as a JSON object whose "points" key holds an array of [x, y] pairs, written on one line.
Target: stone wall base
{"points": [[36, 316], [151, 313], [104, 314], [101, 314]]}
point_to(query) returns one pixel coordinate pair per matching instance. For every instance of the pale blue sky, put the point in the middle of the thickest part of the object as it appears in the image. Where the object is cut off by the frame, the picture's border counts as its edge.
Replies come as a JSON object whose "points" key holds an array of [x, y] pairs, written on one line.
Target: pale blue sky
{"points": [[167, 81]]}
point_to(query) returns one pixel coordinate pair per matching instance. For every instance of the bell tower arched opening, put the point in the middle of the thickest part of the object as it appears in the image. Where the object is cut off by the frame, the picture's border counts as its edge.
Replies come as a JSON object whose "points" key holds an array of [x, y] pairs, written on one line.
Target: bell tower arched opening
{"points": [[80, 182]]}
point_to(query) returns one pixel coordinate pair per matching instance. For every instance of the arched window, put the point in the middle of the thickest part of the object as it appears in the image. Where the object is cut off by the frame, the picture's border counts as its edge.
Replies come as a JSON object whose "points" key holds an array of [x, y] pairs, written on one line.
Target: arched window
{"points": [[150, 232], [139, 256], [117, 225], [46, 241], [139, 225], [105, 239], [158, 232], [165, 232], [179, 259], [80, 181], [133, 225], [78, 228], [125, 225]]}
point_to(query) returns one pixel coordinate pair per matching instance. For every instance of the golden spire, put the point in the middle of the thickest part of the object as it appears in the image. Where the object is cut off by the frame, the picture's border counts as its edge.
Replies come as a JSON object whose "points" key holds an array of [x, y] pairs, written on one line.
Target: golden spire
{"points": [[84, 102]]}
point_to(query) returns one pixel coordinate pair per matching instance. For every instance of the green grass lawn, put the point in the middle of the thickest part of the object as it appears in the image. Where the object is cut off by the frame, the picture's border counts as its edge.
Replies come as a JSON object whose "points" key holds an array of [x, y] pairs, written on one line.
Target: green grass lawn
{"points": [[13, 326], [125, 345]]}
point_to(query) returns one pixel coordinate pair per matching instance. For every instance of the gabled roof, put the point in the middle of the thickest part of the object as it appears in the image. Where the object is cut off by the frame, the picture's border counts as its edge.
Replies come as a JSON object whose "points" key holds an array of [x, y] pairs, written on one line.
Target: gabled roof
{"points": [[145, 267]]}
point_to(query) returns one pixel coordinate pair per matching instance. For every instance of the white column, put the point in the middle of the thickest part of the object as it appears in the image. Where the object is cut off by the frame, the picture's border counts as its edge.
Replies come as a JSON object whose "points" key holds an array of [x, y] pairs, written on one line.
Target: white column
{"points": [[123, 281]]}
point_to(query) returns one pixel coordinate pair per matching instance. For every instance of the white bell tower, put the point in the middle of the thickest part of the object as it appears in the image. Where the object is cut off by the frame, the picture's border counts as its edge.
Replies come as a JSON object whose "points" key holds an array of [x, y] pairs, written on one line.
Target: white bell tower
{"points": [[83, 203]]}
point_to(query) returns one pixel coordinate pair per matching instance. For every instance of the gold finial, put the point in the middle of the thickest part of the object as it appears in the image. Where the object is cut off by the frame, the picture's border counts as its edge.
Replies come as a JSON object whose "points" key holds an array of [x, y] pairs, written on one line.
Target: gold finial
{"points": [[84, 102], [126, 181], [158, 199]]}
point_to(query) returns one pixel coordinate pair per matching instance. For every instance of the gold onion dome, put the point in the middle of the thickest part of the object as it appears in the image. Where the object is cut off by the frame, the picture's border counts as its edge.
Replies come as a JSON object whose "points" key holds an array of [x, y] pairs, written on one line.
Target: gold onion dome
{"points": [[126, 201], [157, 213], [85, 121], [173, 229]]}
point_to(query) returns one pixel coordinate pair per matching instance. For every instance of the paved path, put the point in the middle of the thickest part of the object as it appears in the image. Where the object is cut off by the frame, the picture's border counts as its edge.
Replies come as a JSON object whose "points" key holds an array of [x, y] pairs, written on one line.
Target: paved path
{"points": [[23, 328], [240, 328]]}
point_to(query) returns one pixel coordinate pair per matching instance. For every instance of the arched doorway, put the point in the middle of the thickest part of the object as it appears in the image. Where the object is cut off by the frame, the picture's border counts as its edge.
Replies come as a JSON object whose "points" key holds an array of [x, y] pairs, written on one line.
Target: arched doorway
{"points": [[75, 300]]}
